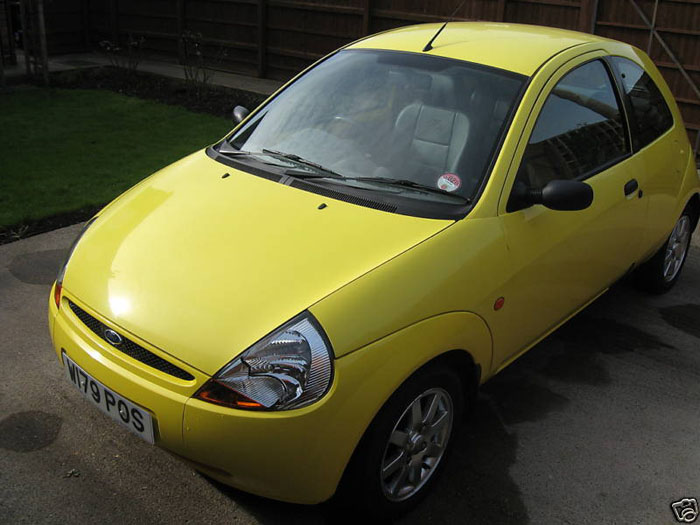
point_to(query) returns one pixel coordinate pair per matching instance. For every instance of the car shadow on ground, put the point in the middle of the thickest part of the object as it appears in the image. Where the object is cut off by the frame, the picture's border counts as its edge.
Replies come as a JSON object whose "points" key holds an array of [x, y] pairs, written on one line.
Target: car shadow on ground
{"points": [[477, 485]]}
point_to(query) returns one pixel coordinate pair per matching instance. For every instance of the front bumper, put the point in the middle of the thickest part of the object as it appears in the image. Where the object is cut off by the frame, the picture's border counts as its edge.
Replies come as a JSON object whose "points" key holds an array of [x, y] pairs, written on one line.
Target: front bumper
{"points": [[296, 456]]}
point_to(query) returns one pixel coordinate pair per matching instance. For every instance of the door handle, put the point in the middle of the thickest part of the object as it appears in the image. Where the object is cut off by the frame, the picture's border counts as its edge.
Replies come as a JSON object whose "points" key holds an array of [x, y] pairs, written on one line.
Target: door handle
{"points": [[631, 187]]}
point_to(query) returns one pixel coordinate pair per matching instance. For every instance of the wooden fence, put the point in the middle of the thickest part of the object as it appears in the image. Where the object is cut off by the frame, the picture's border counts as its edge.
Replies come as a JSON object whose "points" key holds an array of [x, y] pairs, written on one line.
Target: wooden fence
{"points": [[277, 38], [7, 48], [67, 26]]}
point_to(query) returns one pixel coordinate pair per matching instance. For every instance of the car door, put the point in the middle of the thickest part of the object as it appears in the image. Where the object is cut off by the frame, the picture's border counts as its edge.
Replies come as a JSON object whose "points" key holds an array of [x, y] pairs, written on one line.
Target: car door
{"points": [[664, 155], [561, 260]]}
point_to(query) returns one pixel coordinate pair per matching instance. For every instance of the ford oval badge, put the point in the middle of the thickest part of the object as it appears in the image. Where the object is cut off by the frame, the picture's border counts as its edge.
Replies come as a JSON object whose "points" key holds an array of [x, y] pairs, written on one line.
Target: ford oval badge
{"points": [[113, 337]]}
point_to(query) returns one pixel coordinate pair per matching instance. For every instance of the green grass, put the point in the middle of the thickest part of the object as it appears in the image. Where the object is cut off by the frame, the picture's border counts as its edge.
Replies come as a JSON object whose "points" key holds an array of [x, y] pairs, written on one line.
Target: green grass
{"points": [[65, 150]]}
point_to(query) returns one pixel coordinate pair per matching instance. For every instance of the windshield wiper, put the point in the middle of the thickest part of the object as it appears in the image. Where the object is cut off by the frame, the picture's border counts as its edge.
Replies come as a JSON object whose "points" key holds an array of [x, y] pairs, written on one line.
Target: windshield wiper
{"points": [[226, 148], [411, 184], [303, 174], [327, 172]]}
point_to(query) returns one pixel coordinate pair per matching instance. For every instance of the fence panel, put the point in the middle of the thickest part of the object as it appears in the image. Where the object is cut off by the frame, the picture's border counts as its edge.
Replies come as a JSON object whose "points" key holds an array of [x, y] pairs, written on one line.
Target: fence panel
{"points": [[7, 48], [278, 38], [556, 13], [66, 26], [678, 23]]}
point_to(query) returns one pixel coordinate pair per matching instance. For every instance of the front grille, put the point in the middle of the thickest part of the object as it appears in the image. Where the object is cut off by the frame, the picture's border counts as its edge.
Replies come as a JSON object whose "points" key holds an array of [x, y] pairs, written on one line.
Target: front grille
{"points": [[128, 347]]}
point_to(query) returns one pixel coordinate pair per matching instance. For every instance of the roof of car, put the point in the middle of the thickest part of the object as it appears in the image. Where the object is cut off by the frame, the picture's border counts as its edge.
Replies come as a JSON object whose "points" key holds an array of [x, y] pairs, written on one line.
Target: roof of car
{"points": [[514, 47]]}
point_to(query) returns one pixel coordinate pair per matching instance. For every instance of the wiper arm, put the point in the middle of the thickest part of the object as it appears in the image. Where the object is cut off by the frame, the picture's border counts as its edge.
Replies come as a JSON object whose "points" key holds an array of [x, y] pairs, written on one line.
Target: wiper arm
{"points": [[296, 158], [226, 148], [229, 150], [411, 184], [320, 174]]}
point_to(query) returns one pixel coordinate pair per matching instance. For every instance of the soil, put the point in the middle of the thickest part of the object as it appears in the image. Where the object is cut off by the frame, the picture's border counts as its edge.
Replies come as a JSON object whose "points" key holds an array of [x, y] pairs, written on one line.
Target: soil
{"points": [[15, 232], [215, 100]]}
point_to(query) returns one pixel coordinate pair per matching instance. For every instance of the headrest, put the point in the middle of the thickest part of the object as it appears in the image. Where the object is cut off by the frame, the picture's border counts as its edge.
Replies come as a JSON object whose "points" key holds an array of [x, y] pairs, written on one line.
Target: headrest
{"points": [[442, 91], [500, 110]]}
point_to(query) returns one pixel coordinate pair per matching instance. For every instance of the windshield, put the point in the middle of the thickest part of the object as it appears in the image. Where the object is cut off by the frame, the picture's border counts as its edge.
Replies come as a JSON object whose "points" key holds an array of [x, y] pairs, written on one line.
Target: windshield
{"points": [[397, 121]]}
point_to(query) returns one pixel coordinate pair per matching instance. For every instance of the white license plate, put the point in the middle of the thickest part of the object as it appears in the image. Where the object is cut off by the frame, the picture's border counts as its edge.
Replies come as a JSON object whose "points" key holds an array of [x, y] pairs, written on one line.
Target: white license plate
{"points": [[118, 408]]}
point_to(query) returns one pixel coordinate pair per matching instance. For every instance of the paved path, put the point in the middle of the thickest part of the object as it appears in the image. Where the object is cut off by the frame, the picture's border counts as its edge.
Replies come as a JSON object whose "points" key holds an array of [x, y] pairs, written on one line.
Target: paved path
{"points": [[598, 424], [263, 86]]}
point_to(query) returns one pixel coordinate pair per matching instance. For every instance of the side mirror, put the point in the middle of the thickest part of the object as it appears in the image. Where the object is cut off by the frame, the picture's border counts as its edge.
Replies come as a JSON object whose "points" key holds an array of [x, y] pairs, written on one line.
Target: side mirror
{"points": [[239, 114], [562, 195]]}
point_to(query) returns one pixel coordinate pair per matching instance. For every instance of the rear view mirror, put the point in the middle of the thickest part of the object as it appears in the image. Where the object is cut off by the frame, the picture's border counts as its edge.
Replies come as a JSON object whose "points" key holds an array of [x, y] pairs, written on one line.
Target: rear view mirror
{"points": [[562, 195], [239, 114]]}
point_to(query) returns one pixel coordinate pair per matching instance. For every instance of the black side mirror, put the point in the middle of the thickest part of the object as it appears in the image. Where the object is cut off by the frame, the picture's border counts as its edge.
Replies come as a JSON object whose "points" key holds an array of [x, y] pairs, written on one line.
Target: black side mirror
{"points": [[239, 114], [562, 195]]}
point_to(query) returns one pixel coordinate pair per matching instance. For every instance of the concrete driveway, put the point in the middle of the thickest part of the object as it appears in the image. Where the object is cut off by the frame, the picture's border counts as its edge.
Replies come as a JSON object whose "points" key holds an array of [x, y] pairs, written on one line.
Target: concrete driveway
{"points": [[600, 423]]}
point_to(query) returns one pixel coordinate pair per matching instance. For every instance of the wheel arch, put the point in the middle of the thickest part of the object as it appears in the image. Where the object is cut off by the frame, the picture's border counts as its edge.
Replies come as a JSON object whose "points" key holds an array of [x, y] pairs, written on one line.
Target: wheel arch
{"points": [[460, 341], [694, 205], [468, 371]]}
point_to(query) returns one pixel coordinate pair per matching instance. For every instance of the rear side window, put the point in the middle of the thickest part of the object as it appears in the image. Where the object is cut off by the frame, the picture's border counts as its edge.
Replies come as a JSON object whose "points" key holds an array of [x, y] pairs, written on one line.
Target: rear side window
{"points": [[579, 131], [651, 116]]}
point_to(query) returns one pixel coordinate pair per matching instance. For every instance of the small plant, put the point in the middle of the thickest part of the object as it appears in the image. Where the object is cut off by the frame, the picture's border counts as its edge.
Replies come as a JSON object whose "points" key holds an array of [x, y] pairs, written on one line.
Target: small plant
{"points": [[127, 57], [197, 75], [20, 232]]}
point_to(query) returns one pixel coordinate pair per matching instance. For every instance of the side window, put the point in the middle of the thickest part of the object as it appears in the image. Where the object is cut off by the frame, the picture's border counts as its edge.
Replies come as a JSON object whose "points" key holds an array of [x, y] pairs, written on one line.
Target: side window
{"points": [[651, 116], [579, 130]]}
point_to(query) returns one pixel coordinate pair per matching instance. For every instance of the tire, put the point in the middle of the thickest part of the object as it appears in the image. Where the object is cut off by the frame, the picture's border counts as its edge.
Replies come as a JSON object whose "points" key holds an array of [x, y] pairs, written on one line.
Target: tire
{"points": [[364, 491], [660, 273]]}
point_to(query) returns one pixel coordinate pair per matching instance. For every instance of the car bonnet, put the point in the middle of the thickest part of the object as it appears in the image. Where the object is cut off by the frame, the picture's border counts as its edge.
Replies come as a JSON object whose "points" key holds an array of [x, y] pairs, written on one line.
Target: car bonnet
{"points": [[202, 265]]}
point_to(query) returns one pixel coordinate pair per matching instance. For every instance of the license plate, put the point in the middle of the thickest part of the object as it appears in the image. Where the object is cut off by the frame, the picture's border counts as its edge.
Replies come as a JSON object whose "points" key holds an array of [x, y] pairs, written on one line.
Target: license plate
{"points": [[117, 407]]}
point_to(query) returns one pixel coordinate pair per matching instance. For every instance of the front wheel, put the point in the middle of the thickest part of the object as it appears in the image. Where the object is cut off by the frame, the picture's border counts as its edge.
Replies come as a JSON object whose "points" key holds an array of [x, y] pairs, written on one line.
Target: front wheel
{"points": [[661, 272], [405, 448]]}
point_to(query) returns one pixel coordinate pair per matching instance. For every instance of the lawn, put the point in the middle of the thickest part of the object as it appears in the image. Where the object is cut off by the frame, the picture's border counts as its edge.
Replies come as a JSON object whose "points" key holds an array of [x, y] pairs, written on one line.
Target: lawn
{"points": [[67, 150]]}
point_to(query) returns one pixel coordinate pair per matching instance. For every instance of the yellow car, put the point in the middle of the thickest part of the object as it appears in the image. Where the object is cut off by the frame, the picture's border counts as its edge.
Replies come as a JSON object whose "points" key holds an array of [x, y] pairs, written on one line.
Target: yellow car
{"points": [[307, 307]]}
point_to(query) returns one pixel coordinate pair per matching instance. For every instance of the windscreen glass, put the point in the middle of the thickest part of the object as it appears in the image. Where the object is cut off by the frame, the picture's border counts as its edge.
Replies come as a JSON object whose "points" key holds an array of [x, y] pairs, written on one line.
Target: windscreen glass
{"points": [[374, 117]]}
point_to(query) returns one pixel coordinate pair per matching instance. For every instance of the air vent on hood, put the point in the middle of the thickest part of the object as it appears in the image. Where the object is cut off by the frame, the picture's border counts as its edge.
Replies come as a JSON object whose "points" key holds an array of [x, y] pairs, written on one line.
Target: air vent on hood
{"points": [[353, 199]]}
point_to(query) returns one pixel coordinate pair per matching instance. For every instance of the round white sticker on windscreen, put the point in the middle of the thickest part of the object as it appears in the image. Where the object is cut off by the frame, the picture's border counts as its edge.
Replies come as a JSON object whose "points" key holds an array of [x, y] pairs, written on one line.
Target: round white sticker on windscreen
{"points": [[449, 182]]}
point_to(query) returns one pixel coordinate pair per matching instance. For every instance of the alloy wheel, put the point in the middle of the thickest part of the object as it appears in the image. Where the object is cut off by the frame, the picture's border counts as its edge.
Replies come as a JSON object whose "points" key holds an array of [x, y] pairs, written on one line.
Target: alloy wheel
{"points": [[676, 249], [416, 444]]}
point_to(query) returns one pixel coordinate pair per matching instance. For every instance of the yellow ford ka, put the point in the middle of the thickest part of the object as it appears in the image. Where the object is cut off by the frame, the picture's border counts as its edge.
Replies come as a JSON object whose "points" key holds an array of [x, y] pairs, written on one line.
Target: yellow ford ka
{"points": [[307, 307]]}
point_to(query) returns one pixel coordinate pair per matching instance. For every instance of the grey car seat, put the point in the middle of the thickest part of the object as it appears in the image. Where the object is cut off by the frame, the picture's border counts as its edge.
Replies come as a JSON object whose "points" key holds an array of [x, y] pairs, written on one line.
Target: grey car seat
{"points": [[431, 136]]}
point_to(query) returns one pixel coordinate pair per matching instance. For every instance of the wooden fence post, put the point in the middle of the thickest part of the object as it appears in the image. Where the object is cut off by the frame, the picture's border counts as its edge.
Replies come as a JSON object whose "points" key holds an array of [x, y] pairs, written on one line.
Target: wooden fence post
{"points": [[366, 13], [41, 28], [262, 38], [86, 23], [2, 57], [501, 9], [588, 12], [2, 72], [26, 40], [114, 21], [180, 7]]}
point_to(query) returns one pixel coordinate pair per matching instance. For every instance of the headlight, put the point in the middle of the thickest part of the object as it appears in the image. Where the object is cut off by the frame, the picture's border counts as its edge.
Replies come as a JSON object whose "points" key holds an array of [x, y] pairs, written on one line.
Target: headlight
{"points": [[62, 270], [290, 368]]}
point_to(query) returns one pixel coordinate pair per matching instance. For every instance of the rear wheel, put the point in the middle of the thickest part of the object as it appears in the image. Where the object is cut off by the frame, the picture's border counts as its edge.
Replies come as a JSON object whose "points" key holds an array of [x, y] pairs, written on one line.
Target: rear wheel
{"points": [[661, 272], [405, 448]]}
